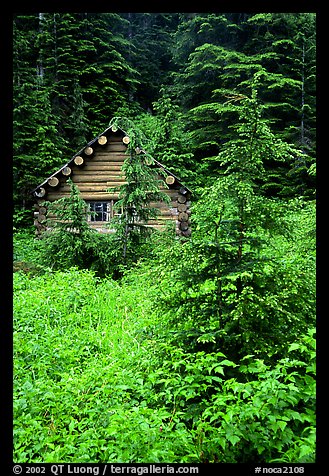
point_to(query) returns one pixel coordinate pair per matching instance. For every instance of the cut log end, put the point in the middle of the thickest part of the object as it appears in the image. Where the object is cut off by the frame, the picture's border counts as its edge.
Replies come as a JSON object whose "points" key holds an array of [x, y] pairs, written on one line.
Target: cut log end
{"points": [[41, 218], [183, 216], [126, 140], [41, 192], [187, 232], [88, 150], [53, 181], [181, 199], [182, 207], [66, 171], [78, 160], [102, 140], [170, 180], [184, 226]]}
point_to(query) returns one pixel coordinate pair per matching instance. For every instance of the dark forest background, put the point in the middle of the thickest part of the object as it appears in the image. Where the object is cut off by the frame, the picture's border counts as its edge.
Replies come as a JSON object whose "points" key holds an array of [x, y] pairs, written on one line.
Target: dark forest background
{"points": [[171, 73]]}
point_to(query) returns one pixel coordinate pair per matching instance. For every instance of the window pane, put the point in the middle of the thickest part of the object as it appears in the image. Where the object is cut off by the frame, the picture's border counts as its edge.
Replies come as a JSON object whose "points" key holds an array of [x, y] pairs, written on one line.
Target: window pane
{"points": [[100, 211]]}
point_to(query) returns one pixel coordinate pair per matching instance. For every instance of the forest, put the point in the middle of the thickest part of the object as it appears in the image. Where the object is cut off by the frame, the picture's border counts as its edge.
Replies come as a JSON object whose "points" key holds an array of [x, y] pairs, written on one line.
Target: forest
{"points": [[134, 347]]}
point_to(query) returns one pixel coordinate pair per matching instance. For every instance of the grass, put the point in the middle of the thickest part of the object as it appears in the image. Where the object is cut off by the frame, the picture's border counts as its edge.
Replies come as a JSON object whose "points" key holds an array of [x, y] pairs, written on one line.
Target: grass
{"points": [[99, 376], [81, 359]]}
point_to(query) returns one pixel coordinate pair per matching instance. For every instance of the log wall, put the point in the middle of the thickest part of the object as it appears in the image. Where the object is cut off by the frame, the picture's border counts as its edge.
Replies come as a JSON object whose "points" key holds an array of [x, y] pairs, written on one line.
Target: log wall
{"points": [[95, 170]]}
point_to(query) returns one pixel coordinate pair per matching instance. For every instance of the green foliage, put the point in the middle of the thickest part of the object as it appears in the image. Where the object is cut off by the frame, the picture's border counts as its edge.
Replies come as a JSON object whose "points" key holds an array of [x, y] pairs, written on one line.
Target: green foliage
{"points": [[199, 350], [88, 358], [74, 71], [70, 241], [270, 416], [27, 255], [138, 195], [239, 285], [86, 375]]}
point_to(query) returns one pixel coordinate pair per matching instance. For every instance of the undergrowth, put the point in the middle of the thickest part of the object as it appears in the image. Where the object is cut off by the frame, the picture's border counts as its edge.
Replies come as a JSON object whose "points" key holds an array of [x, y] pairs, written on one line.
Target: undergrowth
{"points": [[95, 380]]}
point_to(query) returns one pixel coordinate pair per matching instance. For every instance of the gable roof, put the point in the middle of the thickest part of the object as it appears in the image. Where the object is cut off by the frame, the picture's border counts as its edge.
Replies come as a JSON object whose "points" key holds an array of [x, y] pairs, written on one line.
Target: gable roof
{"points": [[81, 151]]}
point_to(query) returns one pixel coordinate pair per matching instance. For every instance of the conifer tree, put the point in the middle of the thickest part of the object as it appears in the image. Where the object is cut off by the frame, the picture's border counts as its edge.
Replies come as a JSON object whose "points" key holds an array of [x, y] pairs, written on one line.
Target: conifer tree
{"points": [[234, 280], [224, 52], [37, 145], [150, 38], [138, 194], [69, 240], [170, 142]]}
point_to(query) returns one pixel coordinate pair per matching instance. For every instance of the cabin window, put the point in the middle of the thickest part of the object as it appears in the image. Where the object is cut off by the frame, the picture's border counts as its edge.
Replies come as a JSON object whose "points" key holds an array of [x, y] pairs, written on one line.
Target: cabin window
{"points": [[100, 211]]}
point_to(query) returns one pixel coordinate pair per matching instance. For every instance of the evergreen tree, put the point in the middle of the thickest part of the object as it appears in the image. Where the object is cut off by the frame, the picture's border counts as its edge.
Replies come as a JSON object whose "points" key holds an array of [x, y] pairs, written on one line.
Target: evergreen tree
{"points": [[108, 80], [291, 40], [272, 45], [137, 195], [231, 281], [69, 240], [167, 140], [37, 146], [150, 37]]}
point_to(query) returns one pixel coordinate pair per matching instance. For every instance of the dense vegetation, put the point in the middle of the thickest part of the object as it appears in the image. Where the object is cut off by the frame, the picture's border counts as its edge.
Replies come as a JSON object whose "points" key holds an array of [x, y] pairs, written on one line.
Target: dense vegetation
{"points": [[199, 349]]}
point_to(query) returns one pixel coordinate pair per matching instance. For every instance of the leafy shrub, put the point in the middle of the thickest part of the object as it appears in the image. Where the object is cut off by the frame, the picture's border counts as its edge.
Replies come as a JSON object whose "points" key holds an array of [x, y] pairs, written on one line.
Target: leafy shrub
{"points": [[210, 300], [270, 416], [90, 356], [246, 411]]}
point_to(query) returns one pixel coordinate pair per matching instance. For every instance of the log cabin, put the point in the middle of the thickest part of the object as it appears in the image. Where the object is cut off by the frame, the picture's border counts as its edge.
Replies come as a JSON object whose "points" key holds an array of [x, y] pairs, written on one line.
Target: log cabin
{"points": [[95, 170]]}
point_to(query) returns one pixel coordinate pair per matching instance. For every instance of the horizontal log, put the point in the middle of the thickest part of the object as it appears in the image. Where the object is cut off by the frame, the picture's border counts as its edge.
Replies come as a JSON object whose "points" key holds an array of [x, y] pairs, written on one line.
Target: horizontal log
{"points": [[116, 181], [166, 213], [112, 146], [99, 167], [110, 158], [99, 178], [110, 153], [165, 206], [102, 187], [112, 150], [126, 140], [105, 227], [97, 196]]}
